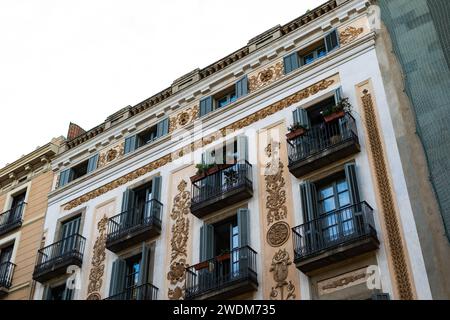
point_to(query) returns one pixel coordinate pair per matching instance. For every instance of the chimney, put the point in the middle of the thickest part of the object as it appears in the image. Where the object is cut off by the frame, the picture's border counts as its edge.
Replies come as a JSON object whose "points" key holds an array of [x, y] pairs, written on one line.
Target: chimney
{"points": [[74, 131]]}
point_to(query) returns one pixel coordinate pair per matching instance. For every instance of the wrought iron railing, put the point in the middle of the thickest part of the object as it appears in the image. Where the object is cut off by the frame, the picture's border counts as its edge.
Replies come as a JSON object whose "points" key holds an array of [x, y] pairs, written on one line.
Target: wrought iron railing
{"points": [[143, 292], [333, 229], [59, 252], [135, 219], [322, 137], [223, 270], [224, 180], [12, 218], [6, 274]]}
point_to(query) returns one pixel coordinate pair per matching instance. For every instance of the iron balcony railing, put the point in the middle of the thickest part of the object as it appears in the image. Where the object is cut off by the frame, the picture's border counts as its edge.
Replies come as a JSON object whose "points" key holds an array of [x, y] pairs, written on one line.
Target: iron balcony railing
{"points": [[223, 270], [143, 292], [12, 218], [58, 253], [333, 229], [6, 274], [224, 180], [322, 137], [135, 219]]}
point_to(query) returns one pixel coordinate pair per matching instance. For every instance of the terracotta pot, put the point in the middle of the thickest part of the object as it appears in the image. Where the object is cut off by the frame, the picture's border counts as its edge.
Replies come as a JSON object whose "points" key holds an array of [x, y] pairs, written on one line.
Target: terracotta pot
{"points": [[296, 133], [223, 257], [212, 170], [334, 116], [197, 177], [201, 265]]}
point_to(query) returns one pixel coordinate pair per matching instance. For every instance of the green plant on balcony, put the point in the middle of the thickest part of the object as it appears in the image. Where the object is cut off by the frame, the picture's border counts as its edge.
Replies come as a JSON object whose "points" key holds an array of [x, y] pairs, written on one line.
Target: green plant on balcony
{"points": [[296, 130], [336, 111]]}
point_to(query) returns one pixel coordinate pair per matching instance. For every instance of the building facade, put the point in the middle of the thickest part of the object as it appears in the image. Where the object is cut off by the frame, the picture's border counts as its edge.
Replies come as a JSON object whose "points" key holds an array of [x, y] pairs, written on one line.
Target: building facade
{"points": [[24, 186], [274, 173]]}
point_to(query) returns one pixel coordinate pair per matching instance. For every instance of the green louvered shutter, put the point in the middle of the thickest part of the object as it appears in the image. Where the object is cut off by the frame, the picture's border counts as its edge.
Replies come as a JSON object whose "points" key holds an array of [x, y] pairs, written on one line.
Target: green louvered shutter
{"points": [[65, 177], [130, 144], [291, 62], [242, 148], [338, 95], [331, 41], [308, 198], [352, 181], [46, 293], [118, 274], [303, 118], [206, 106], [162, 128], [67, 294], [144, 265], [156, 195], [206, 242], [92, 163], [243, 218], [127, 208], [241, 87]]}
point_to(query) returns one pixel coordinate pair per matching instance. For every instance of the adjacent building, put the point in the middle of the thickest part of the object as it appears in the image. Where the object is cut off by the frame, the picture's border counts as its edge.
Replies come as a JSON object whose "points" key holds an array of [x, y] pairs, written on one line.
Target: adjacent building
{"points": [[274, 173], [24, 186]]}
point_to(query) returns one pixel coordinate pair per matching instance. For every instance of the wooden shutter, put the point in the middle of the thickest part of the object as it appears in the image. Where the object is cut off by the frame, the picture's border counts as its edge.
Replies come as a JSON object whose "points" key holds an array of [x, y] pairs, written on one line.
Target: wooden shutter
{"points": [[118, 274], [156, 188], [352, 181], [144, 265], [308, 198], [92, 163], [303, 118], [46, 293], [65, 177], [70, 227], [206, 242], [243, 218], [338, 95], [242, 148], [205, 106], [162, 128], [241, 87], [130, 144], [67, 294], [291, 62], [331, 41]]}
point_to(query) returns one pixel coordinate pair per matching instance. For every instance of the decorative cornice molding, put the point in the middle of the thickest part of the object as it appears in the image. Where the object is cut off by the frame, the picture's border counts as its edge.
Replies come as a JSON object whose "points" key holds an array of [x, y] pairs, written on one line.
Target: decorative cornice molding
{"points": [[245, 122]]}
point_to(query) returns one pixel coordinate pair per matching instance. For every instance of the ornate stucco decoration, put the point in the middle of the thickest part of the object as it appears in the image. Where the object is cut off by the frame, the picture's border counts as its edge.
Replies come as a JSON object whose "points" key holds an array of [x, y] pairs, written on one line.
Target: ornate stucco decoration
{"points": [[183, 118], [384, 187], [178, 242], [342, 281], [265, 77], [242, 123], [111, 154], [278, 234], [280, 271], [98, 262], [349, 34]]}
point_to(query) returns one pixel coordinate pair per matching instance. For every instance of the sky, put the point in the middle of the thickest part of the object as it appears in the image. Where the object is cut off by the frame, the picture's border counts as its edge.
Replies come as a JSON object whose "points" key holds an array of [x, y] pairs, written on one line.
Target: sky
{"points": [[79, 61]]}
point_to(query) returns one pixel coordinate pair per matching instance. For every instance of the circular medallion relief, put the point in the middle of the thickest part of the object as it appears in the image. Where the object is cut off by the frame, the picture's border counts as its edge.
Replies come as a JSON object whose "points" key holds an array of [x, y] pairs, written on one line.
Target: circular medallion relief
{"points": [[94, 296], [278, 234]]}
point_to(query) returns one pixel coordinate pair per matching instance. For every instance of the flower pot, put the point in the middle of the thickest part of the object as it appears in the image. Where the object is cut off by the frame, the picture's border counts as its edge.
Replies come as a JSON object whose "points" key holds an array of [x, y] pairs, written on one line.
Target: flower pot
{"points": [[197, 177], [201, 265], [223, 257], [334, 116], [295, 133], [212, 170]]}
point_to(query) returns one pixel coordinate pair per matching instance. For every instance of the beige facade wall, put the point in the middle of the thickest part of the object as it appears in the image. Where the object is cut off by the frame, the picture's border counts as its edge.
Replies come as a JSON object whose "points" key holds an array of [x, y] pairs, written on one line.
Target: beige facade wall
{"points": [[30, 235]]}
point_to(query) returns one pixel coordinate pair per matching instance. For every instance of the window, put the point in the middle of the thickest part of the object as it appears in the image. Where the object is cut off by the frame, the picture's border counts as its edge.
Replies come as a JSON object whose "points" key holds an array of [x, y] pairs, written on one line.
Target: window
{"points": [[225, 98], [6, 255], [147, 136], [14, 215], [312, 53], [78, 171], [69, 229], [59, 292]]}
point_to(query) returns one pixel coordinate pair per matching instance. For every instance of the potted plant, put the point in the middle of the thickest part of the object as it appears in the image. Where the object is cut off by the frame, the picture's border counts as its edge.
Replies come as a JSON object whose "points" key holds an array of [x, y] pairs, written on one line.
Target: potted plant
{"points": [[201, 172], [211, 168], [338, 111], [295, 130]]}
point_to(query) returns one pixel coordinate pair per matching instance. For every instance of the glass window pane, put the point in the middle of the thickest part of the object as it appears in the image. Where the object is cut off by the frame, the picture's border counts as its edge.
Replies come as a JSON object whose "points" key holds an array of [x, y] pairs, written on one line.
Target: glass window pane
{"points": [[321, 52], [342, 186], [326, 192], [308, 59], [344, 199], [328, 205]]}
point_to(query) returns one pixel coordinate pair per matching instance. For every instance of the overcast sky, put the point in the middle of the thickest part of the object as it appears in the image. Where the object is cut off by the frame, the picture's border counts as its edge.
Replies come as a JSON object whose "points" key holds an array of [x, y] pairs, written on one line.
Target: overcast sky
{"points": [[81, 61]]}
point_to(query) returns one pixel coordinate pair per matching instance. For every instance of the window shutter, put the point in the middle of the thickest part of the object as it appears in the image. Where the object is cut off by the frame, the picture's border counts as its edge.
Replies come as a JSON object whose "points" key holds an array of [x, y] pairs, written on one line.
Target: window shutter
{"points": [[205, 106], [162, 128], [206, 242], [303, 118], [156, 188], [64, 177], [117, 284], [291, 62], [144, 265], [241, 87], [130, 144], [295, 116], [243, 219], [338, 95], [67, 294], [92, 163], [242, 148], [352, 181], [308, 198], [331, 41], [46, 293]]}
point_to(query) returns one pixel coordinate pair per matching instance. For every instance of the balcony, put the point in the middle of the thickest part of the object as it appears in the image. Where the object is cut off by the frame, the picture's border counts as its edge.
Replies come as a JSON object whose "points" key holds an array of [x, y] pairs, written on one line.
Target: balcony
{"points": [[134, 226], [229, 185], [6, 274], [336, 236], [322, 145], [53, 260], [11, 219], [143, 292], [224, 276]]}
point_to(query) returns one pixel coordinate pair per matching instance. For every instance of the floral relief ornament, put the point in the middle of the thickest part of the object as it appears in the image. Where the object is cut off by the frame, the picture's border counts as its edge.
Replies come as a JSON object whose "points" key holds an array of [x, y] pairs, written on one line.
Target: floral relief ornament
{"points": [[349, 34], [280, 269]]}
